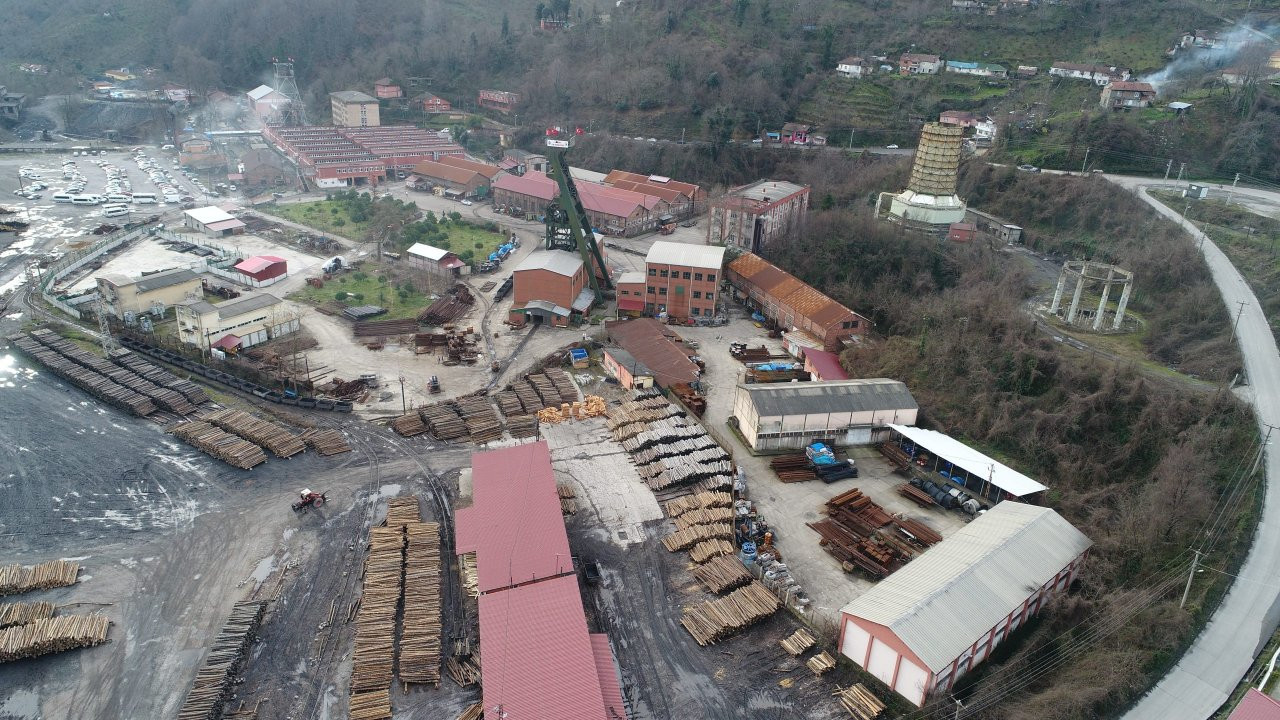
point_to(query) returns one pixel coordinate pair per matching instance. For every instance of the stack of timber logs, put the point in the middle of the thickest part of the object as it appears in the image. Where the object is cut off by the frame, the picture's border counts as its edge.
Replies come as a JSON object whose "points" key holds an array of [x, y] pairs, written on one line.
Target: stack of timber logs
{"points": [[522, 426], [376, 621], [55, 573], [717, 619], [420, 633], [372, 705], [509, 403], [409, 424], [722, 574], [568, 503], [444, 421], [697, 501], [52, 635], [704, 516], [22, 613], [326, 442], [82, 369], [859, 702], [798, 643], [563, 384], [821, 662], [465, 672], [681, 539], [480, 418], [402, 511], [707, 549], [274, 437], [137, 363], [212, 686], [474, 712], [221, 445]]}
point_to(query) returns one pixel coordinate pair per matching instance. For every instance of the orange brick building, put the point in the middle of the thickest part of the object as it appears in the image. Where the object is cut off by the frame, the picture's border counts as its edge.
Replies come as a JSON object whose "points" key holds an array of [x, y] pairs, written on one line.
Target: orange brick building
{"points": [[550, 286], [791, 304], [682, 280]]}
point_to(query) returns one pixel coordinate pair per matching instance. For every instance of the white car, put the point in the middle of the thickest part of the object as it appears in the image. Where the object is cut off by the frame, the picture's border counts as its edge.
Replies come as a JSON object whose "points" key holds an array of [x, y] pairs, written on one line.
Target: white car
{"points": [[467, 202]]}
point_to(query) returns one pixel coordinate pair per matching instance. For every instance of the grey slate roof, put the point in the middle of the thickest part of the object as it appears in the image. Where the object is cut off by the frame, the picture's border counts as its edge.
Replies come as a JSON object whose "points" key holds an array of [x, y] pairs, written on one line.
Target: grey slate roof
{"points": [[836, 396], [243, 305], [944, 601], [352, 96], [165, 279]]}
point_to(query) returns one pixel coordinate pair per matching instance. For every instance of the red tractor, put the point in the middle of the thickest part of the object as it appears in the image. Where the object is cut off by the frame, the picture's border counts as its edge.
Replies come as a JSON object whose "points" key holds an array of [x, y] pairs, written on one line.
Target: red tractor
{"points": [[308, 499]]}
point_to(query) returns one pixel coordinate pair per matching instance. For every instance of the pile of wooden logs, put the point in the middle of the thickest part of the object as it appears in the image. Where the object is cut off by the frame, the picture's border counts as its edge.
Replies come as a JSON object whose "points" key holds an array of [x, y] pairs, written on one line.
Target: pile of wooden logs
{"points": [[480, 418], [22, 613], [563, 384], [509, 403], [792, 468], [80, 367], [855, 551], [522, 426], [821, 662], [420, 632], [707, 549], [222, 445], [798, 643], [717, 619], [444, 421], [402, 511], [465, 672], [722, 574], [372, 705], [473, 712], [859, 702], [690, 536], [696, 501], [409, 424], [376, 623], [212, 686], [256, 430], [550, 416], [137, 363], [325, 442], [16, 579], [52, 635], [568, 501], [704, 516], [470, 575]]}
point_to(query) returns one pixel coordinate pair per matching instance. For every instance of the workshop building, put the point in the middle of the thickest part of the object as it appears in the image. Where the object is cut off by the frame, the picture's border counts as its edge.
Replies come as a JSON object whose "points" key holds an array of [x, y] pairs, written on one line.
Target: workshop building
{"points": [[358, 156], [624, 213], [682, 281], [684, 199], [433, 260], [949, 462], [539, 660], [154, 293], [793, 305], [499, 100], [524, 195], [623, 366], [756, 216], [550, 286], [262, 270], [212, 221], [267, 103], [782, 416], [655, 347], [630, 288], [352, 108], [452, 181], [234, 324], [926, 625]]}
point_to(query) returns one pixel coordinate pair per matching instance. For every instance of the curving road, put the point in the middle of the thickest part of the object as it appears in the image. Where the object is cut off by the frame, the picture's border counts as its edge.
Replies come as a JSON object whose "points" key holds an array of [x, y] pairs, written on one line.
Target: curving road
{"points": [[1214, 665]]}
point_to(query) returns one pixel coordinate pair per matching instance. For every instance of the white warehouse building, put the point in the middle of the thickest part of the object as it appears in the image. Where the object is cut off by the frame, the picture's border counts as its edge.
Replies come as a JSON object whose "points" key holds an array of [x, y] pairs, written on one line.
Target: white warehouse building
{"points": [[779, 416], [924, 626]]}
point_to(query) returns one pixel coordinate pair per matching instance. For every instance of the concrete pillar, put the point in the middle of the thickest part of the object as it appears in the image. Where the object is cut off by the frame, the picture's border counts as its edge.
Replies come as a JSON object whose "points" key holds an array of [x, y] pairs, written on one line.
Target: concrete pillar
{"points": [[1057, 294], [1102, 302], [1075, 298], [1124, 302]]}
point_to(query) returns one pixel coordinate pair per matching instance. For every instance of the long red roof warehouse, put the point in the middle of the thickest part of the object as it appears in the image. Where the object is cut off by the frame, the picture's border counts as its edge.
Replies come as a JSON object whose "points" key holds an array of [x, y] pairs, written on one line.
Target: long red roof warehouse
{"points": [[514, 525]]}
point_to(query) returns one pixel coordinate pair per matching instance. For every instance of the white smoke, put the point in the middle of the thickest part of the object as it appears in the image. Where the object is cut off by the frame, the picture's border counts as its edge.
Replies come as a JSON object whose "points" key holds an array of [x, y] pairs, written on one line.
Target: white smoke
{"points": [[1193, 63]]}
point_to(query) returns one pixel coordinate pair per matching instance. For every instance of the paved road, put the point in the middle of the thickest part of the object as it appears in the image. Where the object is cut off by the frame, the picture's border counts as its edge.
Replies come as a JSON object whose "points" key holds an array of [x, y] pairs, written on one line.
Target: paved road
{"points": [[1210, 670]]}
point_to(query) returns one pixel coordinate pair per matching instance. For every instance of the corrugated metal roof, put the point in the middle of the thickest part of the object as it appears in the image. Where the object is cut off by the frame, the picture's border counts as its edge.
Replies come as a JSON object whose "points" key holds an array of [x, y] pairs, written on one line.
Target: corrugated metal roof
{"points": [[429, 252], [514, 524], [210, 214], [538, 660], [977, 463], [584, 300], [260, 92], [664, 252], [837, 396], [258, 263], [610, 682], [825, 364], [1255, 706], [560, 262], [785, 288], [944, 601], [612, 201], [653, 344], [164, 279], [534, 184], [485, 169], [352, 96], [240, 306], [442, 171], [631, 277]]}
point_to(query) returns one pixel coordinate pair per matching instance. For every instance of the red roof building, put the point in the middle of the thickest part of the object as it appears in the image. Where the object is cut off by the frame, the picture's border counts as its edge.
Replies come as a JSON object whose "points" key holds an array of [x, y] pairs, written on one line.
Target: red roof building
{"points": [[793, 305], [342, 157], [539, 661], [263, 270], [823, 365], [1256, 706], [655, 347]]}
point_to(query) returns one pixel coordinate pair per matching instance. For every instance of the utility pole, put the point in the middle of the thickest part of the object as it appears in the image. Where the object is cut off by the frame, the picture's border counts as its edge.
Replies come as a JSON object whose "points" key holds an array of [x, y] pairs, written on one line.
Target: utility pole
{"points": [[1236, 324], [1167, 169], [1232, 191], [403, 405], [1187, 590], [682, 142], [1085, 164], [1185, 208], [959, 707], [1182, 167]]}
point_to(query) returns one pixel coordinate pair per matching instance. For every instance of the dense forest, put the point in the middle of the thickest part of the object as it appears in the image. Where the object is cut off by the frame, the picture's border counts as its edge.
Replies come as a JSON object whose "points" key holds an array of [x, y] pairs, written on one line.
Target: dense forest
{"points": [[715, 70]]}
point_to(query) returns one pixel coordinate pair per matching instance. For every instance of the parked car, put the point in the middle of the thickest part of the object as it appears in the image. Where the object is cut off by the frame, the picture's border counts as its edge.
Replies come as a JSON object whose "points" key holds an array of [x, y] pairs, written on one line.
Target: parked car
{"points": [[467, 202], [1029, 168]]}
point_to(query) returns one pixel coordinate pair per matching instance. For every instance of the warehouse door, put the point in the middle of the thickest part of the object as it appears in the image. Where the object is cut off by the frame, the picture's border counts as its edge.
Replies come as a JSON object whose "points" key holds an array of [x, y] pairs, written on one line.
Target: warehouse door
{"points": [[911, 680], [857, 436], [854, 645], [884, 660]]}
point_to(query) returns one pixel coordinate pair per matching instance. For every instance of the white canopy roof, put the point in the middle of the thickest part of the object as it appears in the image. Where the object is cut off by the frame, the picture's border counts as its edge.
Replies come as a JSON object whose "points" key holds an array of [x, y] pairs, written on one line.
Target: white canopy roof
{"points": [[976, 463]]}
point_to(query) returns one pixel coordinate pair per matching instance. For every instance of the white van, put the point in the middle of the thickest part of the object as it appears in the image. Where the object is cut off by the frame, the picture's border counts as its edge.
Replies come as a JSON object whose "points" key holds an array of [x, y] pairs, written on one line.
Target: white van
{"points": [[116, 197], [84, 200], [144, 198], [115, 212], [62, 197]]}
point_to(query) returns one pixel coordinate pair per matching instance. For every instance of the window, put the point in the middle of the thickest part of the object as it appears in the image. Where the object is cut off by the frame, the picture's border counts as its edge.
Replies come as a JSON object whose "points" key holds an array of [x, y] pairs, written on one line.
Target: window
{"points": [[696, 311], [697, 294], [711, 277], [710, 296], [846, 325], [650, 289], [697, 276], [662, 273], [662, 291], [653, 273], [686, 276]]}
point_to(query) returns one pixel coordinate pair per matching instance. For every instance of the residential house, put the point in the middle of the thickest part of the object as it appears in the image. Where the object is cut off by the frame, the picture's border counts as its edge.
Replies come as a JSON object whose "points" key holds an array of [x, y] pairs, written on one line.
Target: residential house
{"points": [[796, 133], [853, 67], [972, 6], [11, 103], [1028, 71], [499, 100], [1207, 39], [386, 89], [1122, 95], [352, 108], [429, 103], [980, 69], [918, 64], [1097, 74], [983, 127]]}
